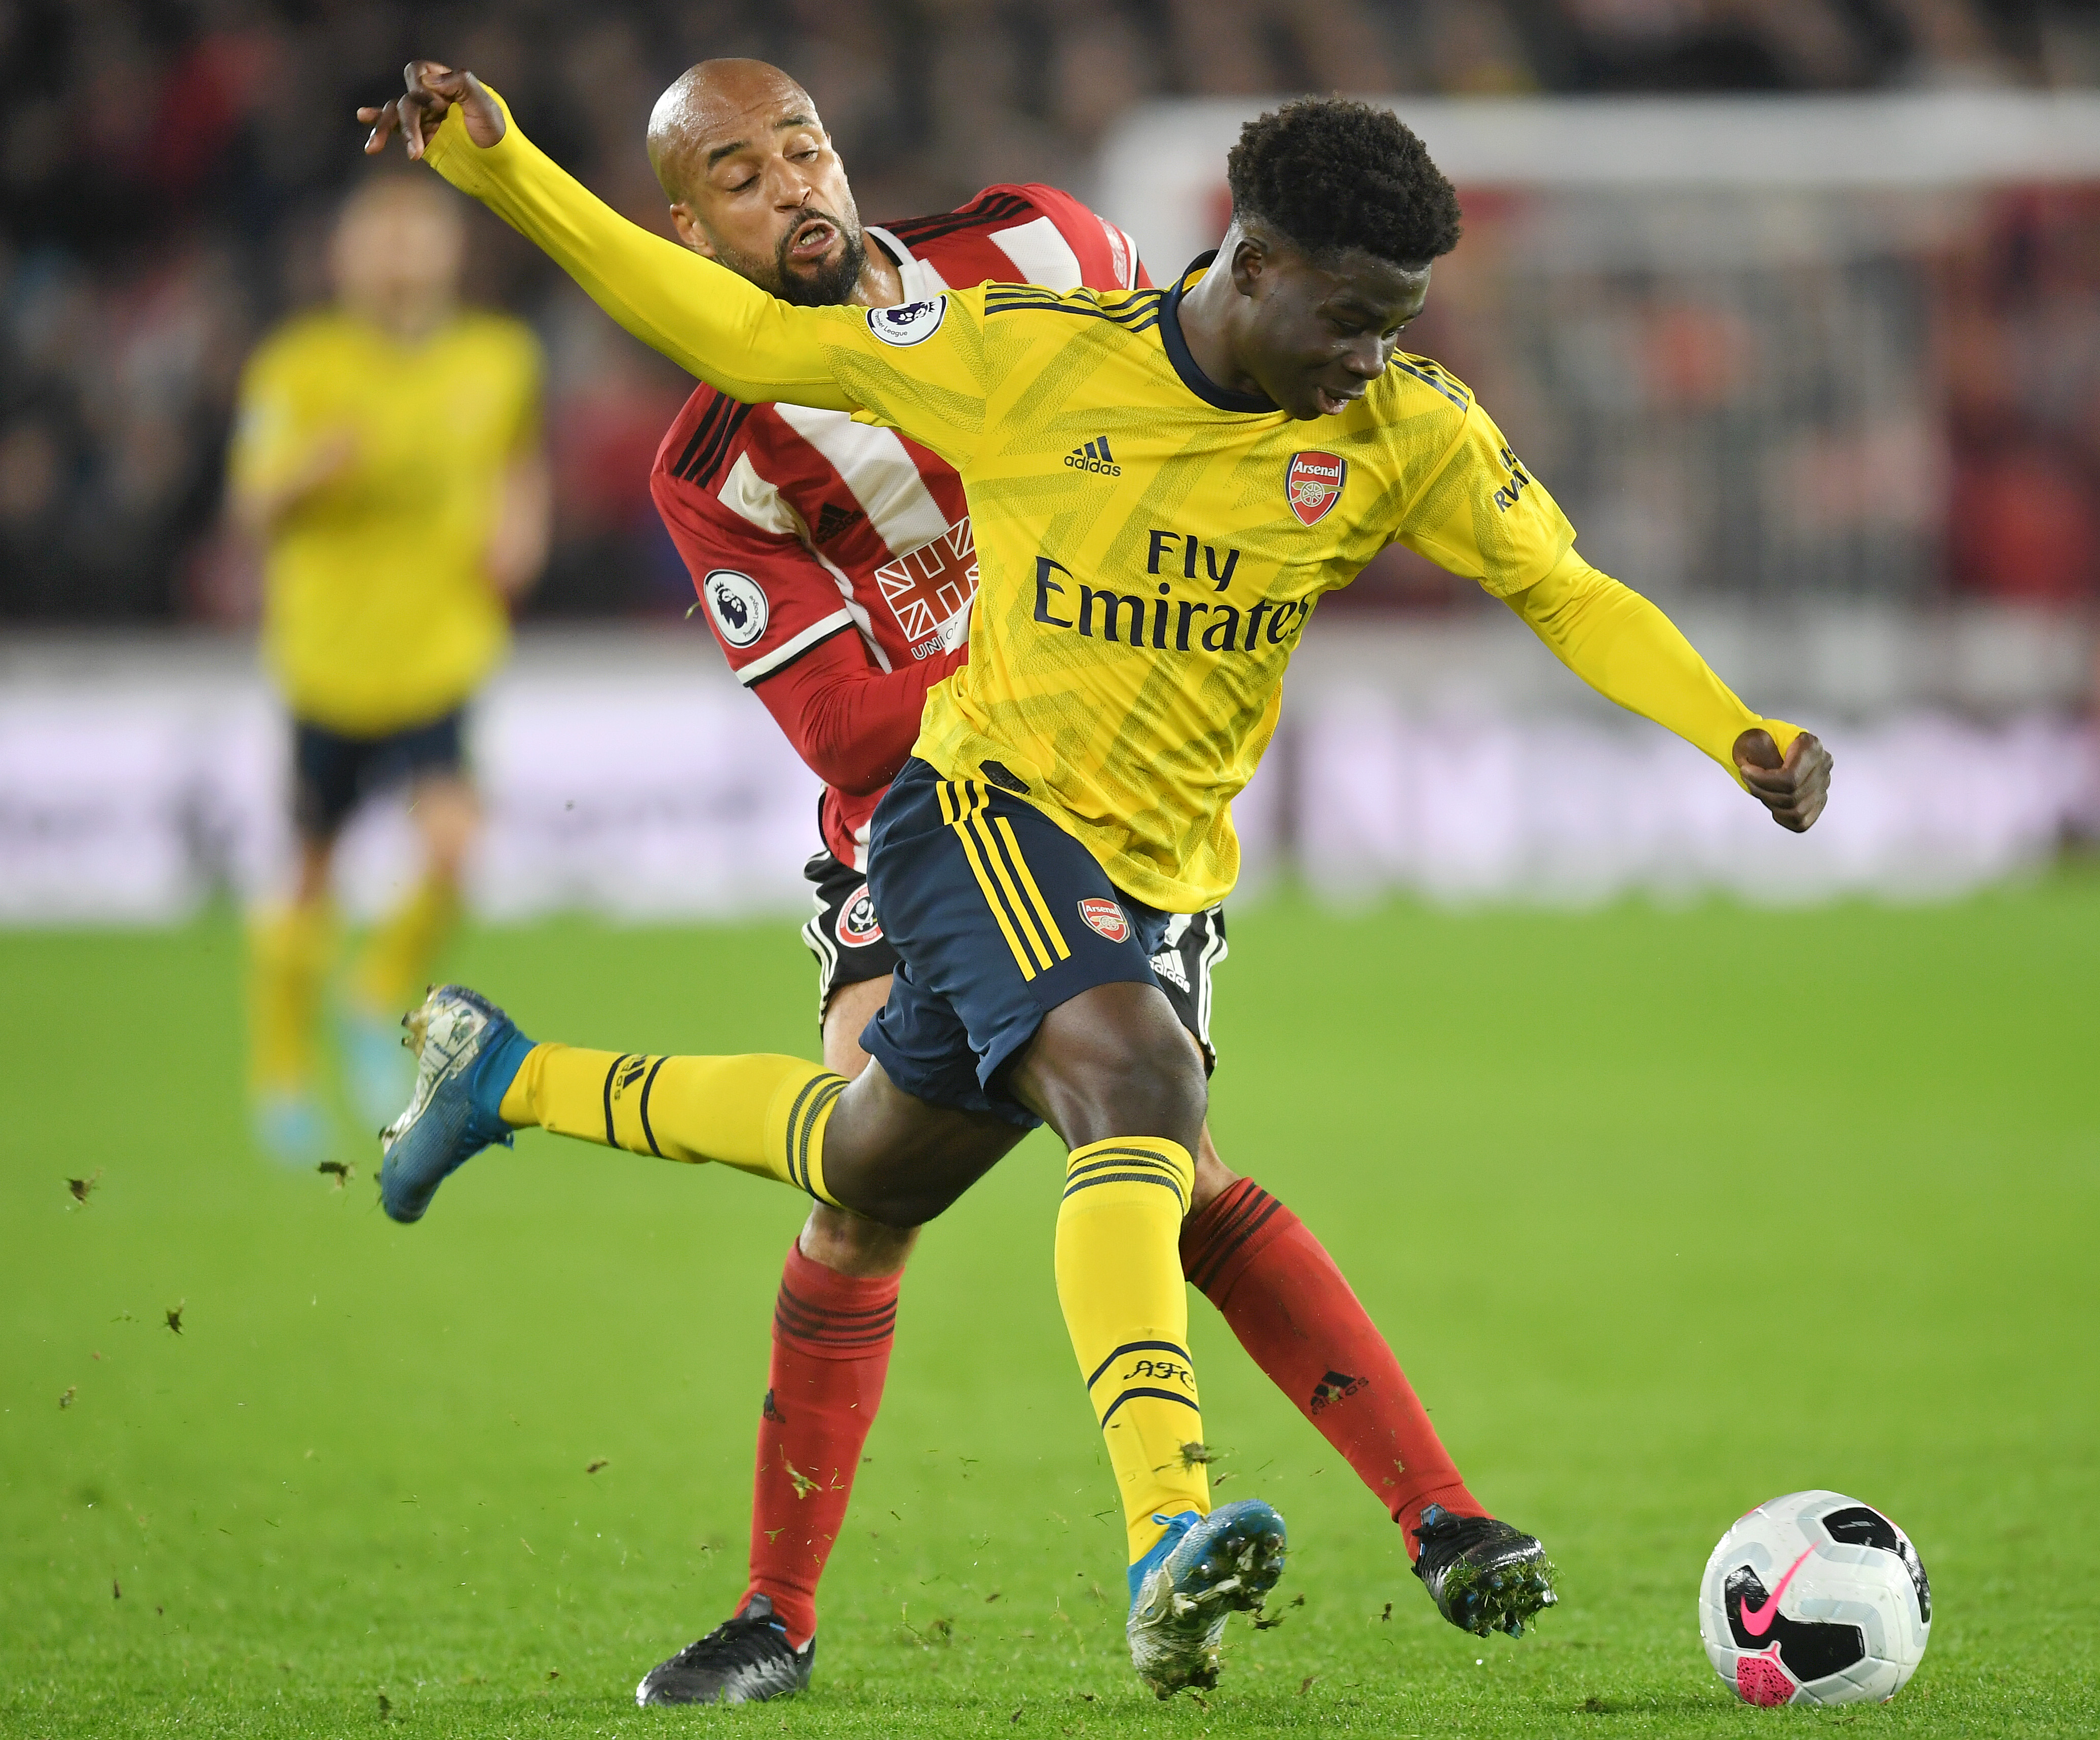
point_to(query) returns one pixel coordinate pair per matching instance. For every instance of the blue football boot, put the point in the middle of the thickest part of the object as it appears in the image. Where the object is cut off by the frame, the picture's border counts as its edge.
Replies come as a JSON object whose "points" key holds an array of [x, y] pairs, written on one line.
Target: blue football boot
{"points": [[467, 1052], [1201, 1570]]}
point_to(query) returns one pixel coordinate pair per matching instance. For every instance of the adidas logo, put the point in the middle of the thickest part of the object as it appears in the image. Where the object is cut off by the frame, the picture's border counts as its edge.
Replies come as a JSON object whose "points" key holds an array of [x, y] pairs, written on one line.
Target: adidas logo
{"points": [[1336, 1386], [1094, 456], [832, 521]]}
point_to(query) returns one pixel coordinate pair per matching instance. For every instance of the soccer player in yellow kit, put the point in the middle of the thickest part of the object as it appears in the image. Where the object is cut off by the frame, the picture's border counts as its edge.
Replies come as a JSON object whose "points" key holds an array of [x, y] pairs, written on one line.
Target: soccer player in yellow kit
{"points": [[391, 560], [1071, 785]]}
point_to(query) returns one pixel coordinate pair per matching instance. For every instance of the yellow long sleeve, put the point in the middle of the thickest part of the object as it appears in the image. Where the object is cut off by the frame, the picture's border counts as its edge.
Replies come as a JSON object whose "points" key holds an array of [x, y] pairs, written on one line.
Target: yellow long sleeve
{"points": [[703, 316], [1627, 650], [920, 368]]}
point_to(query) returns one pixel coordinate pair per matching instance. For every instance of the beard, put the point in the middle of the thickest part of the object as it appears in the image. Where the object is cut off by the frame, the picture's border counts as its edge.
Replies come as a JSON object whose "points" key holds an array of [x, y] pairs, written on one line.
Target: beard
{"points": [[830, 284]]}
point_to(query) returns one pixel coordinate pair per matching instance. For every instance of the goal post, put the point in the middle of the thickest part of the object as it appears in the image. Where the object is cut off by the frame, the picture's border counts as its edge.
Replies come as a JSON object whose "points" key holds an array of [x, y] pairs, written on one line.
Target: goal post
{"points": [[1784, 349]]}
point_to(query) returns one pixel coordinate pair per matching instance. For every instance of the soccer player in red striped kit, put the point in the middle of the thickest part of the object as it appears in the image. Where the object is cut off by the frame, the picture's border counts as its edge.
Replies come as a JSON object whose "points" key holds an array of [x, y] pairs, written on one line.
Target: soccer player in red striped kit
{"points": [[834, 562]]}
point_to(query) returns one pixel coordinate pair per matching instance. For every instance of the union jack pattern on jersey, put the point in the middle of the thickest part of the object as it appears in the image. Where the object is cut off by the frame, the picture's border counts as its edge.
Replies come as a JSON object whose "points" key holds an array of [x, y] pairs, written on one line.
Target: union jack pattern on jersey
{"points": [[799, 525]]}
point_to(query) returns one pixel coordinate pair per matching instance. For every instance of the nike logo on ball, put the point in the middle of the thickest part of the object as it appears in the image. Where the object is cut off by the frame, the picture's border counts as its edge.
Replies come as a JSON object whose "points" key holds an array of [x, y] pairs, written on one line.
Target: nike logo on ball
{"points": [[1757, 1621]]}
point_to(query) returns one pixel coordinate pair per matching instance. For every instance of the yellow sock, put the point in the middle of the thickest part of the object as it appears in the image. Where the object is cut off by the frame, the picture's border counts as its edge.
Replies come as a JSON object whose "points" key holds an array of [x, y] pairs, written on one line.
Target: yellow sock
{"points": [[1126, 1308], [762, 1113], [288, 952], [395, 963]]}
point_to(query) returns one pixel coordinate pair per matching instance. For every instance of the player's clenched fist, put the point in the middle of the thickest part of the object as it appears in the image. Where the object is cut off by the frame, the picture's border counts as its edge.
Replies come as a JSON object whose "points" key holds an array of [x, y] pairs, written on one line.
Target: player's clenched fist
{"points": [[1795, 786], [432, 89]]}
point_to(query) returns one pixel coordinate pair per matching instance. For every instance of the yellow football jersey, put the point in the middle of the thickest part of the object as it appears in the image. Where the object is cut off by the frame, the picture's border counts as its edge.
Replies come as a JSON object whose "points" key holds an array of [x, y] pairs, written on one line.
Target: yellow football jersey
{"points": [[377, 611], [1150, 545]]}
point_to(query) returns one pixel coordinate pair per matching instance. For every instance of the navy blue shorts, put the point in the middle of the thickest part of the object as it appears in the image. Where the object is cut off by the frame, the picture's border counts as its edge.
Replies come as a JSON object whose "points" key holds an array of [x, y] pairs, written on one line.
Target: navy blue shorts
{"points": [[846, 937], [333, 773], [999, 915]]}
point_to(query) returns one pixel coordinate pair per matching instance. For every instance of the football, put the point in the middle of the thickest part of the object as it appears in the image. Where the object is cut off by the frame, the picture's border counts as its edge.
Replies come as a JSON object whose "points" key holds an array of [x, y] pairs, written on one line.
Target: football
{"points": [[1815, 1598]]}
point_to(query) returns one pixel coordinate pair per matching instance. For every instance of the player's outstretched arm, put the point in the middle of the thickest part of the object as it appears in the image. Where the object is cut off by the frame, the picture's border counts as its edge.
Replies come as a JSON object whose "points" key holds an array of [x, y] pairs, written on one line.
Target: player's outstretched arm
{"points": [[1627, 650], [702, 316], [1481, 514]]}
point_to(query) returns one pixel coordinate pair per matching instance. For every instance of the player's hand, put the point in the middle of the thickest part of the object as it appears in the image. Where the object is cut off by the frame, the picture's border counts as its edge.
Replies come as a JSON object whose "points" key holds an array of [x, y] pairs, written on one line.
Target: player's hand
{"points": [[1793, 787], [432, 89]]}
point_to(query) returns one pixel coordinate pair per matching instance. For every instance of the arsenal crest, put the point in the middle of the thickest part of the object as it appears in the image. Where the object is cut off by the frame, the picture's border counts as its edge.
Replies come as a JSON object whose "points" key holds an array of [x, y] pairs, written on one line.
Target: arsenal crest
{"points": [[1105, 919], [1313, 483]]}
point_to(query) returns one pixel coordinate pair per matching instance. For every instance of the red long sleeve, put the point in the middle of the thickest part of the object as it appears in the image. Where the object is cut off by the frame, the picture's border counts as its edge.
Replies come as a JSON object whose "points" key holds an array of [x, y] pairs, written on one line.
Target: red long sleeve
{"points": [[853, 724], [851, 721]]}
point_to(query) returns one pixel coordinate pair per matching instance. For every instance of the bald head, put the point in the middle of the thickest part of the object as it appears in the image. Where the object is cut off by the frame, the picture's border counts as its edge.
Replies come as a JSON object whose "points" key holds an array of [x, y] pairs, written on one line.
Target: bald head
{"points": [[754, 184], [716, 109]]}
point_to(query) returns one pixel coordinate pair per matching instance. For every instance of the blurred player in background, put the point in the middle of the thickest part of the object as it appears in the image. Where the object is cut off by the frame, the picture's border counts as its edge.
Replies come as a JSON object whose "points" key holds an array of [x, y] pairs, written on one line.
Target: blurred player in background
{"points": [[389, 564]]}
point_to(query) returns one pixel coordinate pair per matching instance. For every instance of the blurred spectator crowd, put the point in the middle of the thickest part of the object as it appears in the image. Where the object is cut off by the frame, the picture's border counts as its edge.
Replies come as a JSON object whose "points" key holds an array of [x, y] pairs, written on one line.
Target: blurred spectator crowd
{"points": [[168, 172], [1856, 396]]}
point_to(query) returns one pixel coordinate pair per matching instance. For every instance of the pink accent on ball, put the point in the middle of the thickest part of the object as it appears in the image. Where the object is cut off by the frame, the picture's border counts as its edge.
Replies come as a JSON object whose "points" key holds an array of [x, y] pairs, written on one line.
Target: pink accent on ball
{"points": [[1760, 1679]]}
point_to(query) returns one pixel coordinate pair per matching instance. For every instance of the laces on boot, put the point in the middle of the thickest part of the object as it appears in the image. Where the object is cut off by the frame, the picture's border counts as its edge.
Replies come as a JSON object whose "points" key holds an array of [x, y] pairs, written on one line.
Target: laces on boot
{"points": [[1449, 1537], [1483, 1575], [745, 1660], [745, 1639]]}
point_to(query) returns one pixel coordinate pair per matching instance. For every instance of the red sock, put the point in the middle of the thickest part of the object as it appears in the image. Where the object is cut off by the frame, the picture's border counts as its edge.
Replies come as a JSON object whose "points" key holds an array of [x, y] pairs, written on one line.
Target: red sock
{"points": [[832, 1337], [1288, 1304]]}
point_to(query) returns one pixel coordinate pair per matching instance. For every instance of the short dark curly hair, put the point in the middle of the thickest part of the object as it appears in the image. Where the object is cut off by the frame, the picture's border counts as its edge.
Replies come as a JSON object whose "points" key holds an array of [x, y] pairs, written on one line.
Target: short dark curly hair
{"points": [[1333, 174]]}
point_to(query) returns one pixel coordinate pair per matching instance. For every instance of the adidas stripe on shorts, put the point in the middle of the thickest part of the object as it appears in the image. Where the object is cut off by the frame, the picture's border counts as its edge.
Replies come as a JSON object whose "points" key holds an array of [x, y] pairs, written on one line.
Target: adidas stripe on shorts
{"points": [[997, 916]]}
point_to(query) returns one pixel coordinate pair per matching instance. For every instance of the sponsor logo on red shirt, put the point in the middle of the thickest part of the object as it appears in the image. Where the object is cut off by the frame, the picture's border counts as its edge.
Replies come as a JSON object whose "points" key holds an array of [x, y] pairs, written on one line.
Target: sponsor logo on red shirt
{"points": [[927, 585]]}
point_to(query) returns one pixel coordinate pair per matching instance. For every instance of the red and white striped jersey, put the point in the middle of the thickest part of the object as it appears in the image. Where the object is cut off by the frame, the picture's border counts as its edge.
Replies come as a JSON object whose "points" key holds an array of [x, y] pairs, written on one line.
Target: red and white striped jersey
{"points": [[834, 559]]}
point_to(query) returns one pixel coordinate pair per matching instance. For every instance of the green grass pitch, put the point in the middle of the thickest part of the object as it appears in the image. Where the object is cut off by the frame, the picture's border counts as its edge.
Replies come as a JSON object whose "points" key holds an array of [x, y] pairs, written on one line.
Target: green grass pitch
{"points": [[1665, 1213]]}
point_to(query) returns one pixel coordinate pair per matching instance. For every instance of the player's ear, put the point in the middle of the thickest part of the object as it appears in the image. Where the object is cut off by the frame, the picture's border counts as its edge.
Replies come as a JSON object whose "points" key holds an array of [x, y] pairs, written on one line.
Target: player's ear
{"points": [[691, 232], [1250, 258]]}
